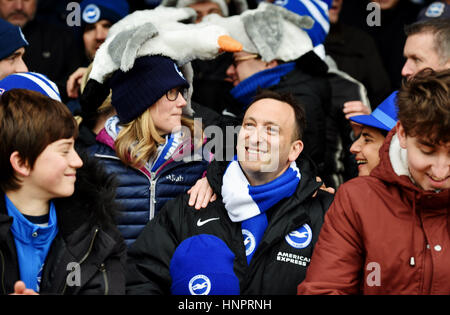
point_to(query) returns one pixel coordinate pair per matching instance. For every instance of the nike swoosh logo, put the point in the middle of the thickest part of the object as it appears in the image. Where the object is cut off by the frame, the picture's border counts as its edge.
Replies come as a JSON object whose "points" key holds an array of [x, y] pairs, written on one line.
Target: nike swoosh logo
{"points": [[200, 222]]}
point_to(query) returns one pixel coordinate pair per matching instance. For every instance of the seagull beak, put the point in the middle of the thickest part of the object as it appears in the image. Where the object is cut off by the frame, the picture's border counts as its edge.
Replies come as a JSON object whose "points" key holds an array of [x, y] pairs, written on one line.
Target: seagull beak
{"points": [[228, 44]]}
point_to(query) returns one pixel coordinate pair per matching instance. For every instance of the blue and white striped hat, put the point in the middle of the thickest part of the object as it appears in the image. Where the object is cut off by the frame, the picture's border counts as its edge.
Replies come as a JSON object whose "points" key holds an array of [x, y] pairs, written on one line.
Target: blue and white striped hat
{"points": [[30, 81], [318, 10]]}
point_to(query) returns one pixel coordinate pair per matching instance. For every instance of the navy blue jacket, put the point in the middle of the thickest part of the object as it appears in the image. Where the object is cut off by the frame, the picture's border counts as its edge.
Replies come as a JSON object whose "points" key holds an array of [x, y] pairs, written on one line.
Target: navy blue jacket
{"points": [[141, 194]]}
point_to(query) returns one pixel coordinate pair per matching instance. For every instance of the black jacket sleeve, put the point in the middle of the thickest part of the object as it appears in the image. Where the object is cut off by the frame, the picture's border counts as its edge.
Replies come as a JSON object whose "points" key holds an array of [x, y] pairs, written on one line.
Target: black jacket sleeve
{"points": [[148, 266]]}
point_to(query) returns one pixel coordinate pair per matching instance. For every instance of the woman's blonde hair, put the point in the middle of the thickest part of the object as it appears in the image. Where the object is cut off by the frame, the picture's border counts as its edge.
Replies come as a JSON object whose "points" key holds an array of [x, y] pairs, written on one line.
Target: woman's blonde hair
{"points": [[137, 141]]}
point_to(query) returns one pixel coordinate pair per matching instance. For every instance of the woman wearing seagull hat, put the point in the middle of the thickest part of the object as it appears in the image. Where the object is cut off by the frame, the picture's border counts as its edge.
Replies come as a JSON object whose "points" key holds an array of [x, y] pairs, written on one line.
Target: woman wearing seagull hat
{"points": [[148, 144]]}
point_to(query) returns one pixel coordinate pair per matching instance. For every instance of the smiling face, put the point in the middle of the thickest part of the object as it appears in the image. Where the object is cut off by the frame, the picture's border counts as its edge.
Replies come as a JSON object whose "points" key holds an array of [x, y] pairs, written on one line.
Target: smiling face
{"points": [[53, 174], [429, 164], [366, 149], [266, 144]]}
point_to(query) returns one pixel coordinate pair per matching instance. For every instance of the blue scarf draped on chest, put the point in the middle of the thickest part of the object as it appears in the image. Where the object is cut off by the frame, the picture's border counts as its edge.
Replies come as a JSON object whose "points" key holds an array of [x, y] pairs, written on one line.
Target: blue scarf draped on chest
{"points": [[246, 89], [247, 204]]}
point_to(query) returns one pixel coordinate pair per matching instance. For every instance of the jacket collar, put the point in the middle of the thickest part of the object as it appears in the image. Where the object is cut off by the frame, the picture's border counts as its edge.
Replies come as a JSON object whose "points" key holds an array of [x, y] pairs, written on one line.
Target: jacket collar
{"points": [[5, 219], [393, 169]]}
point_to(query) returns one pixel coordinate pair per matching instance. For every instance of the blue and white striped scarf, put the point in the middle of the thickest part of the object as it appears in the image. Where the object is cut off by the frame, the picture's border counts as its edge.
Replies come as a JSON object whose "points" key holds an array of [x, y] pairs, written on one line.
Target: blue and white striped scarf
{"points": [[248, 204]]}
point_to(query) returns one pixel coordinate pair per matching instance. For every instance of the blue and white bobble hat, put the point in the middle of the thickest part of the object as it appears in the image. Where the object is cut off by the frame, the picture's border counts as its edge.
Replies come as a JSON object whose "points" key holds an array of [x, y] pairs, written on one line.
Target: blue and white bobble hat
{"points": [[203, 265], [318, 10], [30, 81], [383, 117]]}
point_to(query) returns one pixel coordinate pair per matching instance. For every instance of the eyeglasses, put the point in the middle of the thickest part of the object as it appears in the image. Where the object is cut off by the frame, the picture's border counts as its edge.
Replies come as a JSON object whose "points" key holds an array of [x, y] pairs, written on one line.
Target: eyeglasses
{"points": [[243, 58], [173, 93]]}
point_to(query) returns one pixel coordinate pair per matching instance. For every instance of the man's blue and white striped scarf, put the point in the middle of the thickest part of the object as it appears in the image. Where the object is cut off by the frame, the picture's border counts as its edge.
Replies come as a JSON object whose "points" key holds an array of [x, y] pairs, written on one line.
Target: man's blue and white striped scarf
{"points": [[248, 204]]}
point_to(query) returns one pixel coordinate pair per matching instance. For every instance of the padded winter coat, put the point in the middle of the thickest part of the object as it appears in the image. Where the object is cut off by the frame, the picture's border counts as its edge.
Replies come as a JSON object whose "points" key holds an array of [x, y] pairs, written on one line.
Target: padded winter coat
{"points": [[142, 194], [383, 235]]}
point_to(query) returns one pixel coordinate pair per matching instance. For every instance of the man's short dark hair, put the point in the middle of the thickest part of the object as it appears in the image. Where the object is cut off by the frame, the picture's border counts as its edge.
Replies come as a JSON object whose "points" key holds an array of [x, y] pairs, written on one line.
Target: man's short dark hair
{"points": [[440, 28], [288, 98]]}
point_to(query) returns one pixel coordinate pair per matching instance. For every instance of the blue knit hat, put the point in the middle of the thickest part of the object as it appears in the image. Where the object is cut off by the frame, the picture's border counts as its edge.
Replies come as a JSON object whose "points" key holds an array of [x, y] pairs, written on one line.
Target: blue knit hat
{"points": [[318, 10], [11, 38], [383, 117], [96, 10], [136, 90], [203, 265], [30, 81]]}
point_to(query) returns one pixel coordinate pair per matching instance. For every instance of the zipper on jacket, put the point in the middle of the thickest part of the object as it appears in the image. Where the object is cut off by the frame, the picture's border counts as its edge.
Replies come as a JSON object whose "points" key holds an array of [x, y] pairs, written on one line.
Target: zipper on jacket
{"points": [[3, 271], [84, 257], [153, 179], [152, 194], [105, 277]]}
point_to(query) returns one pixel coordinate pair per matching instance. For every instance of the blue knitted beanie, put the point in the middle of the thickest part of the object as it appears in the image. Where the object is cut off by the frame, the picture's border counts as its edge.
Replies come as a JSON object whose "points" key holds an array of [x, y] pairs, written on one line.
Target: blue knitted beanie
{"points": [[203, 265], [11, 38], [136, 90], [96, 10]]}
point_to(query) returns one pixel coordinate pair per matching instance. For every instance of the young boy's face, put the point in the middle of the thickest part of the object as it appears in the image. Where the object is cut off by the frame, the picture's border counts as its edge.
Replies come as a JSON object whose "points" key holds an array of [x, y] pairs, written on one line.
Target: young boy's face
{"points": [[54, 172], [429, 164]]}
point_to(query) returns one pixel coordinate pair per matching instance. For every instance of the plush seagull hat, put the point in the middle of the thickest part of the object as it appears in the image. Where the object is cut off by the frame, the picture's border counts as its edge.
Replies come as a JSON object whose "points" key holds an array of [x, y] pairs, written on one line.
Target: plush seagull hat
{"points": [[271, 31], [159, 34]]}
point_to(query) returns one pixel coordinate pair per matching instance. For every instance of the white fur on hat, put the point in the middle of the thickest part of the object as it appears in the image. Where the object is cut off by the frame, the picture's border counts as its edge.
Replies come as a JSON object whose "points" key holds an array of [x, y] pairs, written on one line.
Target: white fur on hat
{"points": [[270, 31], [157, 32]]}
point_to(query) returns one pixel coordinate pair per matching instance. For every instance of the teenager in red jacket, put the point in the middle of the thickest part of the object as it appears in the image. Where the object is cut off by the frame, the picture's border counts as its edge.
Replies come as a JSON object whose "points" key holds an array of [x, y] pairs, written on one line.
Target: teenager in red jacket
{"points": [[389, 233]]}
